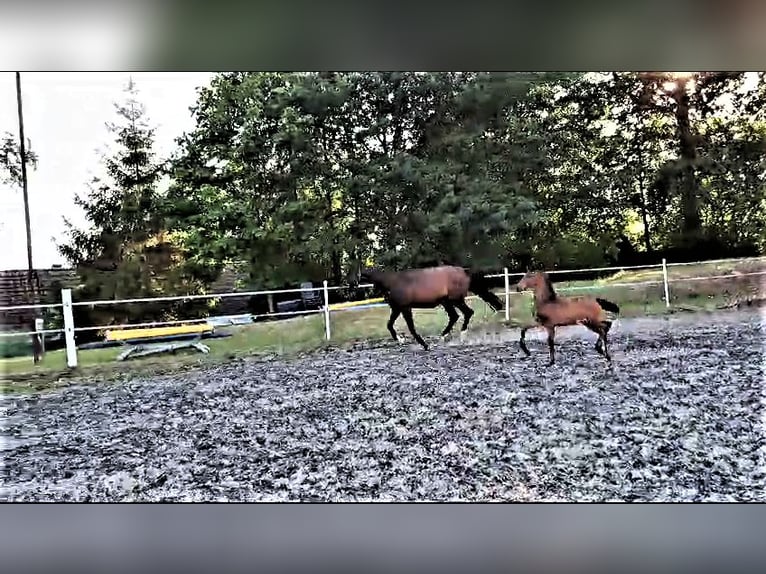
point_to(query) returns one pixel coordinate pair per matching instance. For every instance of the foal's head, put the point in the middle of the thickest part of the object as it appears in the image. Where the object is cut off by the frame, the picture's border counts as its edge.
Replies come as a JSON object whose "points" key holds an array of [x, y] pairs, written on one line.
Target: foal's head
{"points": [[539, 282]]}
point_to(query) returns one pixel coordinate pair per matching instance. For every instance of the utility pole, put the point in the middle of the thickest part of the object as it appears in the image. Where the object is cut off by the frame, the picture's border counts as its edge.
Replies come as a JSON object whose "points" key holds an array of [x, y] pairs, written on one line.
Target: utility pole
{"points": [[30, 268]]}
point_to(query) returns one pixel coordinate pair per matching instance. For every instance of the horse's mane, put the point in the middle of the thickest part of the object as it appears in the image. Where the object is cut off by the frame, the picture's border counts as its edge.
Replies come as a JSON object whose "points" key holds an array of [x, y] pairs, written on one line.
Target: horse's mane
{"points": [[549, 285]]}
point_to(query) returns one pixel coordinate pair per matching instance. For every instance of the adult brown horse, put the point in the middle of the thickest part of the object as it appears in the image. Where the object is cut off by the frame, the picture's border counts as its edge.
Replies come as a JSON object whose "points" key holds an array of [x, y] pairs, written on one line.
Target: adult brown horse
{"points": [[552, 311], [428, 288]]}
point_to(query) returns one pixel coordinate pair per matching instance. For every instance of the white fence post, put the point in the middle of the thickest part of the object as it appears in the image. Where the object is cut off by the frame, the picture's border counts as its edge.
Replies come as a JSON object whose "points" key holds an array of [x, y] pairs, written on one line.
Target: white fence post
{"points": [[507, 295], [71, 349], [665, 281], [40, 326], [326, 310]]}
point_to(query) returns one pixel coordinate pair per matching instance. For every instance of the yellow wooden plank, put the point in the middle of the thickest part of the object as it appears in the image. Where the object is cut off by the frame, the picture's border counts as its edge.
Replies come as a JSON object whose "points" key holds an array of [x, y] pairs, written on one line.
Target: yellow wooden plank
{"points": [[123, 334], [348, 304]]}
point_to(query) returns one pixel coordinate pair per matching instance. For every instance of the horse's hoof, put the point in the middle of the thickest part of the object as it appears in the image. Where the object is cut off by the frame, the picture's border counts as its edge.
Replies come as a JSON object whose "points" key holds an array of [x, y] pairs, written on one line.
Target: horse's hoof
{"points": [[462, 335]]}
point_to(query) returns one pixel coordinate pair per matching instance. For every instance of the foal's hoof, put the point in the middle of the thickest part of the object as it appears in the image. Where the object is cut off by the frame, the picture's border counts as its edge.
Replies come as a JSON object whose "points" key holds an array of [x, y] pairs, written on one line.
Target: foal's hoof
{"points": [[463, 335], [550, 363]]}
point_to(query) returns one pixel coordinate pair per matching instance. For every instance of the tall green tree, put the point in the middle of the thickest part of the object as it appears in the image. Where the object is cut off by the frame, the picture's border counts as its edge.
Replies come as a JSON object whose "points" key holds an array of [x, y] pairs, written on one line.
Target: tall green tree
{"points": [[299, 175], [691, 101], [733, 173], [124, 251], [302, 173], [653, 147]]}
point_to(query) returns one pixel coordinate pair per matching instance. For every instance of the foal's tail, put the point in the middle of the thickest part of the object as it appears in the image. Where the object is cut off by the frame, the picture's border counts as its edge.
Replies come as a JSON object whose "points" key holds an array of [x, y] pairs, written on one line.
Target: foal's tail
{"points": [[608, 305], [480, 286]]}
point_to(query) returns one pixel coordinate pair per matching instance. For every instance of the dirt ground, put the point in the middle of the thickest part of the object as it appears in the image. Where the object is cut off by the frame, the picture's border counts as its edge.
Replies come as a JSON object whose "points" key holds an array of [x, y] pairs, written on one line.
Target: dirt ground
{"points": [[678, 417]]}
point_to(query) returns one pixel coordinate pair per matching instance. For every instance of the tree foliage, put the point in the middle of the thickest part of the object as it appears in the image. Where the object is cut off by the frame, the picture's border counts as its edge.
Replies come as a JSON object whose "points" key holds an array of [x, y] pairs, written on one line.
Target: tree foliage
{"points": [[302, 176], [10, 160], [125, 251]]}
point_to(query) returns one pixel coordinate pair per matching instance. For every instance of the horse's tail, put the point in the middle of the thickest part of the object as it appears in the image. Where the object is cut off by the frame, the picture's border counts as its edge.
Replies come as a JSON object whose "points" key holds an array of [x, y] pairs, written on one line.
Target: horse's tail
{"points": [[608, 305], [480, 286]]}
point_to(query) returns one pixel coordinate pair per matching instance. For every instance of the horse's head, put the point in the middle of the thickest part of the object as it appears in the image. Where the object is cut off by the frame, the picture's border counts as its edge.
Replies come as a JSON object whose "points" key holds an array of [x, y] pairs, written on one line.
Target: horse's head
{"points": [[532, 280], [370, 274], [359, 274], [540, 283]]}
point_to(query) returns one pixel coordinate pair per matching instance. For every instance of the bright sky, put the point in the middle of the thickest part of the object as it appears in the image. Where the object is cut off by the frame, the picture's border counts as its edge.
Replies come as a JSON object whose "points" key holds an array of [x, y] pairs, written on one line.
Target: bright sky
{"points": [[64, 117]]}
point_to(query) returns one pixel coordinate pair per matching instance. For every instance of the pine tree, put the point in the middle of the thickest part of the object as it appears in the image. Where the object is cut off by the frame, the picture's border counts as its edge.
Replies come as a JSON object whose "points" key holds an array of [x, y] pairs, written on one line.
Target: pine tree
{"points": [[124, 252]]}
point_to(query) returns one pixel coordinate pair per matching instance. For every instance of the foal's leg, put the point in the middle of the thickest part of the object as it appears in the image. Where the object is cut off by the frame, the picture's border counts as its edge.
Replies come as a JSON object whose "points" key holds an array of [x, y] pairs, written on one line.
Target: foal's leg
{"points": [[522, 344], [604, 330], [592, 327], [453, 316], [394, 316], [407, 313], [601, 329], [467, 314], [551, 333]]}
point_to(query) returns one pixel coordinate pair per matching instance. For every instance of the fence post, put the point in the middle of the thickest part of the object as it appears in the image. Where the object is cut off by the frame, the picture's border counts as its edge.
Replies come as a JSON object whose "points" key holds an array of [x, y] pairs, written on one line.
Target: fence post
{"points": [[507, 295], [71, 349], [40, 326], [326, 310], [665, 281]]}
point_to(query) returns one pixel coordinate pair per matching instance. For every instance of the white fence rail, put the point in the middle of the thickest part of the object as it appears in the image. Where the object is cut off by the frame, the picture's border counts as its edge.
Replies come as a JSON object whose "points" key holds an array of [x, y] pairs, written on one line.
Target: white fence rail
{"points": [[69, 330]]}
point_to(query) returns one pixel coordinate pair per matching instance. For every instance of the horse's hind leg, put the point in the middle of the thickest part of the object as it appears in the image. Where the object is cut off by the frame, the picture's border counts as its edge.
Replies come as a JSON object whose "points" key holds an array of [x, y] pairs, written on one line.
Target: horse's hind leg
{"points": [[394, 316], [407, 313], [467, 313], [453, 316]]}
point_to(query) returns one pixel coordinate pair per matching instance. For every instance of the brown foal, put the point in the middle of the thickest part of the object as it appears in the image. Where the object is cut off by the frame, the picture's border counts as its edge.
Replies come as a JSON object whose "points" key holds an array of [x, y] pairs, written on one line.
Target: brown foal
{"points": [[552, 311]]}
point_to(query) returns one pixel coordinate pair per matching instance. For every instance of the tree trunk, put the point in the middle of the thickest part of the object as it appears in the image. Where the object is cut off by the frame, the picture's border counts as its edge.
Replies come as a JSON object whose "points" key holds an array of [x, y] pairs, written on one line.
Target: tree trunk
{"points": [[691, 219], [337, 272], [644, 213]]}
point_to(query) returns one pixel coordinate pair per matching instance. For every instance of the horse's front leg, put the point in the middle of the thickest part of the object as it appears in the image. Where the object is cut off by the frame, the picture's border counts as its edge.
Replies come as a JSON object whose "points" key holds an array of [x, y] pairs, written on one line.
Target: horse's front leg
{"points": [[407, 313], [392, 319], [551, 334]]}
